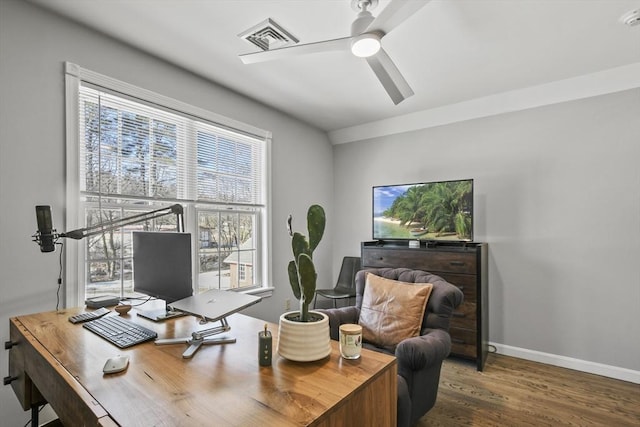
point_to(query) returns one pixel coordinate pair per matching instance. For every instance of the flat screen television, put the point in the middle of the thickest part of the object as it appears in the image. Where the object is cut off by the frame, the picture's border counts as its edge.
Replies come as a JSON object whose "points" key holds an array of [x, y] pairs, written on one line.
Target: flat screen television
{"points": [[162, 269], [430, 211]]}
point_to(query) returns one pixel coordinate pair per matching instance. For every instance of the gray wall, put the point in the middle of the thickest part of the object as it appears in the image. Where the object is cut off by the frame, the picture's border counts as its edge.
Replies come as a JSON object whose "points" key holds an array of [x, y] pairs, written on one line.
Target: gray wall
{"points": [[557, 192], [33, 47], [557, 198]]}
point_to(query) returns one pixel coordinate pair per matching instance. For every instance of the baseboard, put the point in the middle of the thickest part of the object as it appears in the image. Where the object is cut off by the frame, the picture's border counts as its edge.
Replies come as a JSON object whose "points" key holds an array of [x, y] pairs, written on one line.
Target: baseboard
{"points": [[615, 372]]}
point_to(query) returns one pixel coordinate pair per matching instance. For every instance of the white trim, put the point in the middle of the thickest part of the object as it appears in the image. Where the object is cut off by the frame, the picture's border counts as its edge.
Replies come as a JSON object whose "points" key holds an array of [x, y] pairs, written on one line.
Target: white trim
{"points": [[74, 294], [267, 258], [261, 292], [586, 86], [609, 371]]}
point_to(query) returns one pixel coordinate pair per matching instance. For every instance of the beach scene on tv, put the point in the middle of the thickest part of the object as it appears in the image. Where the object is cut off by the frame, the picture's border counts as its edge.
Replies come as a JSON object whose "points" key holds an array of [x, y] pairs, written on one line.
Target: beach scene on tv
{"points": [[429, 211]]}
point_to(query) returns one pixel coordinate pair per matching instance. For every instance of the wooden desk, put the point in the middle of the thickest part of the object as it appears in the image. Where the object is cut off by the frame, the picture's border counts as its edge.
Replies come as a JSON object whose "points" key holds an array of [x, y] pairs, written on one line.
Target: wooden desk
{"points": [[222, 385]]}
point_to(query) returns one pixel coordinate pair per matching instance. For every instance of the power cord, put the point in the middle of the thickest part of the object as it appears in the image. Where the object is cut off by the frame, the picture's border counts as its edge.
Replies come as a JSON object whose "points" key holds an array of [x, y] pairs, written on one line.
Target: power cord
{"points": [[59, 276], [144, 300]]}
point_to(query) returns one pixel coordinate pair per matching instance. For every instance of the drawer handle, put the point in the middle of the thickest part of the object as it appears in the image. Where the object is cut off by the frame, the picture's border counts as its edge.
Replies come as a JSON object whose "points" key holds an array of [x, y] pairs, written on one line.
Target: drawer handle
{"points": [[457, 314], [9, 379], [457, 341], [461, 288], [457, 263]]}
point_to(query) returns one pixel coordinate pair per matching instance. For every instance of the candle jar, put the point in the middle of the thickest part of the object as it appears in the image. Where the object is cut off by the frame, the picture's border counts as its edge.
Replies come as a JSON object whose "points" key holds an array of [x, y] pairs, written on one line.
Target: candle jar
{"points": [[350, 341]]}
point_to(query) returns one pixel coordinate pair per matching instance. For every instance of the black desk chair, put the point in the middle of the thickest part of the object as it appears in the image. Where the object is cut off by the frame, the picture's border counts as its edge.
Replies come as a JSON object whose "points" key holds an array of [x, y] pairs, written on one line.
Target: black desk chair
{"points": [[345, 287]]}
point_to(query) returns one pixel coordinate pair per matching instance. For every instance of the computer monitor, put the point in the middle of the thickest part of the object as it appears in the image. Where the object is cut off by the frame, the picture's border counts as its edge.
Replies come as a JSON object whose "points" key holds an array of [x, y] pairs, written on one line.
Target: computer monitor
{"points": [[162, 269]]}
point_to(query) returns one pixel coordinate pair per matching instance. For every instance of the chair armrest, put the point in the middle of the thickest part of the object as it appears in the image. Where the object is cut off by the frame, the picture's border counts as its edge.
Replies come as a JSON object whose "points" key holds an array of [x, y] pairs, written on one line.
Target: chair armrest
{"points": [[340, 316], [425, 350]]}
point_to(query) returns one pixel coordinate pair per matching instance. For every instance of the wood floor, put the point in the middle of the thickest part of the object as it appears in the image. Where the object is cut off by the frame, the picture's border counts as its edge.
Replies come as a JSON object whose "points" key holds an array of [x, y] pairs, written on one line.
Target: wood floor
{"points": [[517, 392]]}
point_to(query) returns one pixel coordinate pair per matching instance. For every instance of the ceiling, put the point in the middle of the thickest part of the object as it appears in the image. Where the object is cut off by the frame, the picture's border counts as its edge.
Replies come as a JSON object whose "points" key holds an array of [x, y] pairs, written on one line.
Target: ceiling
{"points": [[450, 51]]}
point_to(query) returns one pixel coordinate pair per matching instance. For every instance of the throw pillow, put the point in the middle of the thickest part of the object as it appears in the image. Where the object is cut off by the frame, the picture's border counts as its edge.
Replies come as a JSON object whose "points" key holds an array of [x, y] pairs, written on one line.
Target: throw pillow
{"points": [[391, 310]]}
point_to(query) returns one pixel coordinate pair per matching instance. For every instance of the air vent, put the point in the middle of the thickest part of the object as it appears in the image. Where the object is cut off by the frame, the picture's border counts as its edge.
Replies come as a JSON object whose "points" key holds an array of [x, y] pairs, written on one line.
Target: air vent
{"points": [[268, 35]]}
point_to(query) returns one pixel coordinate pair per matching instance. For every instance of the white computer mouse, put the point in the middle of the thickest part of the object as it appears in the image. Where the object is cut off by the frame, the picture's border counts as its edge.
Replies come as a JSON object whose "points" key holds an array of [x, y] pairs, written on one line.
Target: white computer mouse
{"points": [[116, 364]]}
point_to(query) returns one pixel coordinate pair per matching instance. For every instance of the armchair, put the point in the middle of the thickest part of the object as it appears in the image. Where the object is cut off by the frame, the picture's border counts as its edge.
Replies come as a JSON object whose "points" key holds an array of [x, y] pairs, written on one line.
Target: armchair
{"points": [[419, 358]]}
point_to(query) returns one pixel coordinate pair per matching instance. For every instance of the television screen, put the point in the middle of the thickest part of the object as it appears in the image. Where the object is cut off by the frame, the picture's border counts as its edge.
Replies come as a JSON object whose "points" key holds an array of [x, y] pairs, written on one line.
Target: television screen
{"points": [[424, 211]]}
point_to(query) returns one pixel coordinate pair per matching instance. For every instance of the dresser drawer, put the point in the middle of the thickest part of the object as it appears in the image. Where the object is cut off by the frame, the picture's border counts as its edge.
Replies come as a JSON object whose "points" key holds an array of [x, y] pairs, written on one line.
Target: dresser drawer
{"points": [[451, 262], [463, 342], [466, 350], [465, 282], [465, 316]]}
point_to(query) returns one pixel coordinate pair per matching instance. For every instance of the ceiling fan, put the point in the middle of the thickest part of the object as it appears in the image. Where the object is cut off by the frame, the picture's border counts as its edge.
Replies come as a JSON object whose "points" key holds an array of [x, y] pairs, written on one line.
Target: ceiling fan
{"points": [[367, 32]]}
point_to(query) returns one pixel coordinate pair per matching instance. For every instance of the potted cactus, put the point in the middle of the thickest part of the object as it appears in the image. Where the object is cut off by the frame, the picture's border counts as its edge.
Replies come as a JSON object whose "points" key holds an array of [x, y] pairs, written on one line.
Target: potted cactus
{"points": [[304, 334]]}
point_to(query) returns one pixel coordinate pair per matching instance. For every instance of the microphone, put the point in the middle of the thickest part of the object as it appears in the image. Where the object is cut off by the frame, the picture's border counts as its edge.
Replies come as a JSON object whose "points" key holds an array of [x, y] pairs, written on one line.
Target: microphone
{"points": [[45, 236]]}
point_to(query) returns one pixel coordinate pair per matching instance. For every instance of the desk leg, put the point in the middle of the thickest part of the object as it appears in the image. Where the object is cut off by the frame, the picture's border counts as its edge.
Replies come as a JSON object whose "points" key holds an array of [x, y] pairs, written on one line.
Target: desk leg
{"points": [[35, 415]]}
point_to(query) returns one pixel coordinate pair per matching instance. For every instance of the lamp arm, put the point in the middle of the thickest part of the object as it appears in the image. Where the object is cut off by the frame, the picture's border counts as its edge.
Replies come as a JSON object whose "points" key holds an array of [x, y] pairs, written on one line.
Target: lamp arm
{"points": [[81, 233]]}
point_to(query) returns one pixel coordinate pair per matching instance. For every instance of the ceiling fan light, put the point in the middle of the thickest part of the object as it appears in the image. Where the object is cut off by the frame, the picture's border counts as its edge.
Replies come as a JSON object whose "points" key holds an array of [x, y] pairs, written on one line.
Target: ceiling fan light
{"points": [[365, 45]]}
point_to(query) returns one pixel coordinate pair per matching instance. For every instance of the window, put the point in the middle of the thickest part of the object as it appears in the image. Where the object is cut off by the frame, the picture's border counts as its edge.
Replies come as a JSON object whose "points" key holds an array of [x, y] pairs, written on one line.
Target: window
{"points": [[242, 273], [131, 151]]}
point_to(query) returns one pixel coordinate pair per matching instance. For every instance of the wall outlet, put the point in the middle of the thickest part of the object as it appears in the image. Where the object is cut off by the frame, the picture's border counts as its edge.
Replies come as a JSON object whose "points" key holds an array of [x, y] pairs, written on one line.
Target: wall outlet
{"points": [[287, 304]]}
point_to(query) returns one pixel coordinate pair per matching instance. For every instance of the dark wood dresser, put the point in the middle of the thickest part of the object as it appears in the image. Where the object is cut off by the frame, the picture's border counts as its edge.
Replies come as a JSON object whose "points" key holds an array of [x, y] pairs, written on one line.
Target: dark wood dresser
{"points": [[462, 264]]}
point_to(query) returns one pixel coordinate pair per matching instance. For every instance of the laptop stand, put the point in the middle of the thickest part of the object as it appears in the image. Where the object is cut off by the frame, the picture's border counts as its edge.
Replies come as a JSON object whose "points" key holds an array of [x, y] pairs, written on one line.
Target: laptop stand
{"points": [[199, 338]]}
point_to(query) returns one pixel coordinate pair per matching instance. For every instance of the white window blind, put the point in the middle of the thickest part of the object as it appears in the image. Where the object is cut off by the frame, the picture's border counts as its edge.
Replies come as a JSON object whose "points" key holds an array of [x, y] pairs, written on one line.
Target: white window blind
{"points": [[137, 151]]}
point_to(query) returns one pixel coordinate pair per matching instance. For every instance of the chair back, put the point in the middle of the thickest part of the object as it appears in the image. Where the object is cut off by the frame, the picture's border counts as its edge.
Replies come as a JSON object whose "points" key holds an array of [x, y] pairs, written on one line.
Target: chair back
{"points": [[444, 297], [346, 279]]}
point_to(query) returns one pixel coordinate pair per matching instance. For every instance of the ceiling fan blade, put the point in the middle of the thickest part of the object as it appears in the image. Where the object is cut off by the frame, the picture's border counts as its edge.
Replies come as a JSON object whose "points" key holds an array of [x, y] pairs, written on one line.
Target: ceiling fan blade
{"points": [[303, 49], [394, 14], [390, 77]]}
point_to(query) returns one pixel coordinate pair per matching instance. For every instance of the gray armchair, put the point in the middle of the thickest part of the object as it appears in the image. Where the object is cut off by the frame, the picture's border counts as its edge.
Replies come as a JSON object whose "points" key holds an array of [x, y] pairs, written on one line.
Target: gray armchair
{"points": [[419, 358]]}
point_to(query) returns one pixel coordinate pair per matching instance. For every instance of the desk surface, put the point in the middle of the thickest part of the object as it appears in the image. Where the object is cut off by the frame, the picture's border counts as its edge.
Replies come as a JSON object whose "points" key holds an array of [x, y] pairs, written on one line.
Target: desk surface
{"points": [[220, 385]]}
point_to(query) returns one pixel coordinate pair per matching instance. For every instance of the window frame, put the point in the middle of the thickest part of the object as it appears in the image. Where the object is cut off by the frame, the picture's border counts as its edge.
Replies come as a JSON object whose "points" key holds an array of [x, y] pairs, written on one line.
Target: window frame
{"points": [[75, 76]]}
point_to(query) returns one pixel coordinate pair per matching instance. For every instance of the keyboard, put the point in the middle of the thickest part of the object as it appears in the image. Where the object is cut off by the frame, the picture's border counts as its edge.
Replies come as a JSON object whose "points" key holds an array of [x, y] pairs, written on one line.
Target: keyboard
{"points": [[119, 331]]}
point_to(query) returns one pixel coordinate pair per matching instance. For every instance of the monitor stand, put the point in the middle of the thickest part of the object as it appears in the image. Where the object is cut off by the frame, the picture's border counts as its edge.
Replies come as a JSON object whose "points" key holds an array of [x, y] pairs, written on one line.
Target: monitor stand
{"points": [[161, 314], [199, 338]]}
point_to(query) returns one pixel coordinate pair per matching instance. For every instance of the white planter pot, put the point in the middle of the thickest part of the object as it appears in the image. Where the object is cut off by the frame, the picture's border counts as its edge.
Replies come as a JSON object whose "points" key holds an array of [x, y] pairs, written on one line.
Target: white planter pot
{"points": [[304, 341]]}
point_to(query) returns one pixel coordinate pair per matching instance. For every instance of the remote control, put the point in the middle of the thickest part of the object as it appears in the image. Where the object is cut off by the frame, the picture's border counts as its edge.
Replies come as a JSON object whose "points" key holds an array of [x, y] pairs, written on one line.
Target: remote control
{"points": [[89, 315]]}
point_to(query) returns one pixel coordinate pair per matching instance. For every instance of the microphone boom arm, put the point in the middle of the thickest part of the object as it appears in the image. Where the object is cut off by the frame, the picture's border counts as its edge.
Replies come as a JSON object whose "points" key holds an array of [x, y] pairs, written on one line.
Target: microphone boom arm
{"points": [[81, 233]]}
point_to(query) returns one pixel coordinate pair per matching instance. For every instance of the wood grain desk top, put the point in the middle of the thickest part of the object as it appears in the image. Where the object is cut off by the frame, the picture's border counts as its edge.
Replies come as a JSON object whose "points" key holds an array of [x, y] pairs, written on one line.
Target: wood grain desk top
{"points": [[221, 385]]}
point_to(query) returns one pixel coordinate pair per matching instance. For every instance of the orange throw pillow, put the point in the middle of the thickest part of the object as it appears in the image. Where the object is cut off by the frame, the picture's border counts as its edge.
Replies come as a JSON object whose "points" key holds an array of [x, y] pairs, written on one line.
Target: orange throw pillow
{"points": [[391, 310]]}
